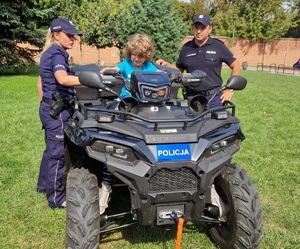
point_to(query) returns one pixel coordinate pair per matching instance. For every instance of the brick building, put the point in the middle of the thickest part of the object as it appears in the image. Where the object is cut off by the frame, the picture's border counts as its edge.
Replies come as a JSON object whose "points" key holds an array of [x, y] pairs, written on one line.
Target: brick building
{"points": [[280, 51]]}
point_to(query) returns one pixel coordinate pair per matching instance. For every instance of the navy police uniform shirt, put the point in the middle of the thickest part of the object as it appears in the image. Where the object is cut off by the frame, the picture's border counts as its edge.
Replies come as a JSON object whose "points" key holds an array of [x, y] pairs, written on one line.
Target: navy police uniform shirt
{"points": [[207, 58], [53, 59]]}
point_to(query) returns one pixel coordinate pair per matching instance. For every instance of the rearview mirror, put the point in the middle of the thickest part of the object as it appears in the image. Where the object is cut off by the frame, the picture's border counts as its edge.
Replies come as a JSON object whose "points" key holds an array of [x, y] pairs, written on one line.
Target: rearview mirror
{"points": [[236, 82], [91, 79]]}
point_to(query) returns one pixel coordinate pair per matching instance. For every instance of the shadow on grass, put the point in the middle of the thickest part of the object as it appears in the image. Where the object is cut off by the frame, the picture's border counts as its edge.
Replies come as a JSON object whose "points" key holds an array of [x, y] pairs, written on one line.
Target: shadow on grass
{"points": [[29, 70], [159, 236]]}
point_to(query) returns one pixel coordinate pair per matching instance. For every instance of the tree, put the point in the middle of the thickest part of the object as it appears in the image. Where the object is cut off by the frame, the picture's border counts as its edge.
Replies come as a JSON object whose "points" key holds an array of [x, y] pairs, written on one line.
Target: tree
{"points": [[259, 20], [21, 21], [159, 20], [192, 8], [97, 19], [293, 6]]}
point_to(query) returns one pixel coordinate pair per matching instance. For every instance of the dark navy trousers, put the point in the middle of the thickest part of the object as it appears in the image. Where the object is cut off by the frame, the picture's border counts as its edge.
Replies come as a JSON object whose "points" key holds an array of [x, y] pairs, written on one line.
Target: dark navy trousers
{"points": [[216, 101], [51, 174]]}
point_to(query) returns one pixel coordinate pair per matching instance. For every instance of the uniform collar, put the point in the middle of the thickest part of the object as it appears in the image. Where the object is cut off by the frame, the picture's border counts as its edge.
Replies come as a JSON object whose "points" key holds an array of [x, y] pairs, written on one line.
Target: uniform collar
{"points": [[194, 44], [60, 49]]}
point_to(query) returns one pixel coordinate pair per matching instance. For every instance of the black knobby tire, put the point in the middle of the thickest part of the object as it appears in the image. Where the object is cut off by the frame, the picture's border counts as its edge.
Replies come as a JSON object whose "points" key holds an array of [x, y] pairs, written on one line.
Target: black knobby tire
{"points": [[82, 213], [73, 155], [68, 161], [243, 228]]}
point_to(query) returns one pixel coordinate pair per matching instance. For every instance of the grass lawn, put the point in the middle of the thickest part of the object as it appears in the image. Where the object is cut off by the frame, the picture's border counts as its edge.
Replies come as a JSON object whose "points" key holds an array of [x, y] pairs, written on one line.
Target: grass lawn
{"points": [[269, 112]]}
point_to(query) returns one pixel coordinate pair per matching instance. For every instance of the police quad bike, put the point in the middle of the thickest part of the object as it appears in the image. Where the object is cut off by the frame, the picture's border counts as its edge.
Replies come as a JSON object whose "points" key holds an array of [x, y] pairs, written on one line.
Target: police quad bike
{"points": [[173, 155]]}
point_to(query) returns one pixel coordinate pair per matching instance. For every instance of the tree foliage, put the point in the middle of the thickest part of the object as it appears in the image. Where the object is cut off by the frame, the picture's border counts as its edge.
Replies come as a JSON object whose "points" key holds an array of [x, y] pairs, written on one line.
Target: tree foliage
{"points": [[158, 19], [187, 10], [293, 6], [21, 22], [256, 20], [97, 19], [107, 23], [111, 22]]}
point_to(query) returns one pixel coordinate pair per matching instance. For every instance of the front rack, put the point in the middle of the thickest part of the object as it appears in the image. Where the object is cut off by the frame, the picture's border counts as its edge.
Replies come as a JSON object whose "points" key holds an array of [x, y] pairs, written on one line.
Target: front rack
{"points": [[92, 112]]}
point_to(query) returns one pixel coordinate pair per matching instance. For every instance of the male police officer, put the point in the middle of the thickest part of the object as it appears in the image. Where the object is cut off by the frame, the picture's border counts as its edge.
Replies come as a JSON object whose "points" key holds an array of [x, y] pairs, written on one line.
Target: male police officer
{"points": [[207, 54]]}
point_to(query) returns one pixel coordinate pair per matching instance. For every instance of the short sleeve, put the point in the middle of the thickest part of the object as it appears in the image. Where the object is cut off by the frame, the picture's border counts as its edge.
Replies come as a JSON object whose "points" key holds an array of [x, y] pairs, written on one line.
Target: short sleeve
{"points": [[59, 63], [180, 61], [122, 66], [226, 55]]}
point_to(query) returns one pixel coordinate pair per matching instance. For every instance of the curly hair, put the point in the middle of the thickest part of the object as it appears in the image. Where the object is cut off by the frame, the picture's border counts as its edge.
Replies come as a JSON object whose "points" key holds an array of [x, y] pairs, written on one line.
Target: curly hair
{"points": [[141, 45]]}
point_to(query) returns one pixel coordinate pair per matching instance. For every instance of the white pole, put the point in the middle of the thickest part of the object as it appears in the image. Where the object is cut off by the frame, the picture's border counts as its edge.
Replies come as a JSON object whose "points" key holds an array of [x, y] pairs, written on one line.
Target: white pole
{"points": [[233, 29]]}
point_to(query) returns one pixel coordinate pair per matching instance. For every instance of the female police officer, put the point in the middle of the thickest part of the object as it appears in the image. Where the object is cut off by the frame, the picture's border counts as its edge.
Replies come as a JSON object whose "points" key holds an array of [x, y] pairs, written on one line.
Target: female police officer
{"points": [[207, 54], [55, 77]]}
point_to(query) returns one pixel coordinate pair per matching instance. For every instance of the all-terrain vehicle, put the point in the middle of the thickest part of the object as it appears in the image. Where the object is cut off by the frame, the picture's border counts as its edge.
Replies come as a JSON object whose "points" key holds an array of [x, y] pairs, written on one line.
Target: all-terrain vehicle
{"points": [[173, 155]]}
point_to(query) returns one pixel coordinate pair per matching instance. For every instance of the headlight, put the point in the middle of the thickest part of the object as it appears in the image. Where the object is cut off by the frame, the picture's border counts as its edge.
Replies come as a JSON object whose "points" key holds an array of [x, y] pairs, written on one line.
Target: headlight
{"points": [[226, 142], [114, 150], [153, 87], [153, 94]]}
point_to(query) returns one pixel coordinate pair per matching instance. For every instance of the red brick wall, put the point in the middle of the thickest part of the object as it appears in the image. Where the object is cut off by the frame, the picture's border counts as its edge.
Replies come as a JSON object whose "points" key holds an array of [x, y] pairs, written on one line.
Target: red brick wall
{"points": [[281, 51], [83, 54]]}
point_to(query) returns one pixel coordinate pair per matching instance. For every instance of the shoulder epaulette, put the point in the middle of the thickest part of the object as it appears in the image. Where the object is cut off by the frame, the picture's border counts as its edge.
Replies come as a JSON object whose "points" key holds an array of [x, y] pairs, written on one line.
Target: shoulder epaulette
{"points": [[189, 43], [218, 40]]}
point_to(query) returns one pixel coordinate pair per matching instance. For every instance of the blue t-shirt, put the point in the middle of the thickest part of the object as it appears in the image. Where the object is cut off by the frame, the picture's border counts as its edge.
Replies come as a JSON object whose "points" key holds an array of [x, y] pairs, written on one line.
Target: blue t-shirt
{"points": [[53, 59], [126, 69]]}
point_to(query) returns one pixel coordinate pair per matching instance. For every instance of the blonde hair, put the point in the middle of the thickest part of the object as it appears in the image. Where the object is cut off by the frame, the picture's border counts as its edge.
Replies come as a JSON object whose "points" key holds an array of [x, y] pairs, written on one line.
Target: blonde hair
{"points": [[140, 44], [49, 40]]}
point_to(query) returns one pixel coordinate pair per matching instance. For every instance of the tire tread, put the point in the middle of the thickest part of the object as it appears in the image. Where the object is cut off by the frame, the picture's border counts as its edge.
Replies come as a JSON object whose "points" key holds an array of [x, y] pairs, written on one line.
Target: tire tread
{"points": [[247, 211], [82, 214]]}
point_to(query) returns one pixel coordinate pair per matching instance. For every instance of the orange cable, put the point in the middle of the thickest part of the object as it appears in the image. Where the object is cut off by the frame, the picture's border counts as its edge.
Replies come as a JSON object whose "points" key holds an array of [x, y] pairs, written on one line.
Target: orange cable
{"points": [[179, 232]]}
